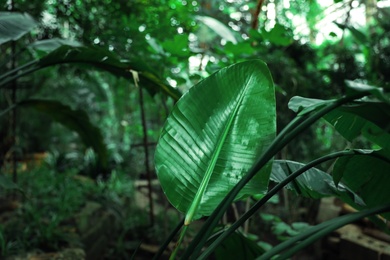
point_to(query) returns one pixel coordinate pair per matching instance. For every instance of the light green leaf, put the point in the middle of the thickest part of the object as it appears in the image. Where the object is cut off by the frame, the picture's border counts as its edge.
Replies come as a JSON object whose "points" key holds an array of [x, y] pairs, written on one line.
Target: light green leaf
{"points": [[14, 25], [52, 44], [213, 136], [218, 27]]}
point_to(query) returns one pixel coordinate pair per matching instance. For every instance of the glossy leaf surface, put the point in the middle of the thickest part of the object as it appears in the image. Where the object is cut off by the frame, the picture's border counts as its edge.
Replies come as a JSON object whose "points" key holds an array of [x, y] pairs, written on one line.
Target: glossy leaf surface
{"points": [[214, 135]]}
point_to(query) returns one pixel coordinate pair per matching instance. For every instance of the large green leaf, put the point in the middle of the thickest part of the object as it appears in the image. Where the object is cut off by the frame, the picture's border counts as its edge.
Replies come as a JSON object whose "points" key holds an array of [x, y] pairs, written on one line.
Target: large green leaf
{"points": [[14, 25], [368, 176], [76, 120], [214, 135]]}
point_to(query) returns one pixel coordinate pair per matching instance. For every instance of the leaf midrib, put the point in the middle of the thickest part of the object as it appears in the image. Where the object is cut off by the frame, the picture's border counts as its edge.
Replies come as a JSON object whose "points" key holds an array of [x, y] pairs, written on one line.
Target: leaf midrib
{"points": [[205, 181]]}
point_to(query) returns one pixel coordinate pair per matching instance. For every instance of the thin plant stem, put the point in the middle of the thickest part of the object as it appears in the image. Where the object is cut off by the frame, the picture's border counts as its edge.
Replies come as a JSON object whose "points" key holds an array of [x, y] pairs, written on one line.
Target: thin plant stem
{"points": [[179, 242], [168, 240]]}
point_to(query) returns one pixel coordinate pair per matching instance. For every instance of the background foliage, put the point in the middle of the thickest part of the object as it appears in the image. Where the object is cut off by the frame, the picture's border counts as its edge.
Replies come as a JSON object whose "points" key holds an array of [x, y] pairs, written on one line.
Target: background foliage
{"points": [[310, 47]]}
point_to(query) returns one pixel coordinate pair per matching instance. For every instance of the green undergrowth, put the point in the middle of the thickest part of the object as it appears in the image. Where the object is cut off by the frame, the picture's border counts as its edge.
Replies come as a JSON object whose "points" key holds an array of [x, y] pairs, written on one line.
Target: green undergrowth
{"points": [[43, 218]]}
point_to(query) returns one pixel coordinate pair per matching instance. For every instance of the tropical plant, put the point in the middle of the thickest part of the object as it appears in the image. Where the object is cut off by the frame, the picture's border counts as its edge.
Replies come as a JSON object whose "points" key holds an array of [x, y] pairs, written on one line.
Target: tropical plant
{"points": [[218, 143]]}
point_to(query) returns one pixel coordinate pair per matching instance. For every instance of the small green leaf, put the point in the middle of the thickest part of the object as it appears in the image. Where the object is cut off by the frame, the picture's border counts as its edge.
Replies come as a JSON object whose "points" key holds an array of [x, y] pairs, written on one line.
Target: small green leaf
{"points": [[218, 27], [303, 105], [49, 45]]}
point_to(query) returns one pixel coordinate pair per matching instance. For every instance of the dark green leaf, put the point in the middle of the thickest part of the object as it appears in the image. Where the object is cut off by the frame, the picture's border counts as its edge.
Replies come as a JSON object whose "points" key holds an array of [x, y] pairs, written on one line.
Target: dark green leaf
{"points": [[370, 119], [313, 183], [213, 136], [14, 25], [367, 175], [238, 246]]}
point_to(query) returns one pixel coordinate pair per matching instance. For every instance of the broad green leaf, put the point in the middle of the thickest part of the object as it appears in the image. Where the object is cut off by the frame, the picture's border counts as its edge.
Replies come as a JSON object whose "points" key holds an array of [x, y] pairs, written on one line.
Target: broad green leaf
{"points": [[366, 175], [76, 120], [218, 27], [213, 136], [14, 25], [109, 62], [314, 183]]}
